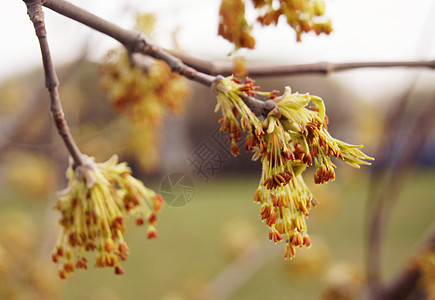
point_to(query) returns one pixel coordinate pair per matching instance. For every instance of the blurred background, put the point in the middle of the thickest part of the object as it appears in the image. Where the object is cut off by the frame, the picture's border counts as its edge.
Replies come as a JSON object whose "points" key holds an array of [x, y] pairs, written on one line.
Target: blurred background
{"points": [[214, 246]]}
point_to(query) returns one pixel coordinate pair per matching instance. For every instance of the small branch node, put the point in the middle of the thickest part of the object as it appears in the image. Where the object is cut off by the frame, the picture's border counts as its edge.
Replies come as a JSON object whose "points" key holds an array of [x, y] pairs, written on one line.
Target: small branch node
{"points": [[213, 84], [36, 15], [141, 43], [327, 68]]}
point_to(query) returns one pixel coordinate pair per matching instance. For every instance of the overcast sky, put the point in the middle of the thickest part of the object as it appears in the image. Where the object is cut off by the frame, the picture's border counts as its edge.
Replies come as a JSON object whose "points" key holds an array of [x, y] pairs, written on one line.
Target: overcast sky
{"points": [[363, 30]]}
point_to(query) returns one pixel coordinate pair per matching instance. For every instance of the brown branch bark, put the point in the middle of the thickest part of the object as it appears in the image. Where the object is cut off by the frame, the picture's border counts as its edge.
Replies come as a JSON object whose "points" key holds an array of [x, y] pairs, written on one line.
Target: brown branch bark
{"points": [[324, 68], [201, 71], [34, 10], [136, 42]]}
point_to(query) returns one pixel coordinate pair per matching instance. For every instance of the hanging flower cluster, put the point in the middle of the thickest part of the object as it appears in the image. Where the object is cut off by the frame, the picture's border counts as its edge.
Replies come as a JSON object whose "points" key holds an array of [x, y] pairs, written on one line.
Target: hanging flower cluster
{"points": [[233, 25], [291, 137], [302, 15], [144, 94], [233, 109], [93, 208]]}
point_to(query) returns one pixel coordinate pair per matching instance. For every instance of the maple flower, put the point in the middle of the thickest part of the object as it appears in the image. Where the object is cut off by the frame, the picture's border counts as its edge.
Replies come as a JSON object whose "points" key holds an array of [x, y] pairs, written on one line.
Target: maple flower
{"points": [[296, 137], [228, 93], [233, 25], [292, 137], [302, 15], [93, 207]]}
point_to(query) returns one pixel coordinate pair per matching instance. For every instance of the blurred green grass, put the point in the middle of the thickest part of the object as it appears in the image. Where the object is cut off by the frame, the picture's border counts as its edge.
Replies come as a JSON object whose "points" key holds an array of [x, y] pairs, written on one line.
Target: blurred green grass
{"points": [[191, 248]]}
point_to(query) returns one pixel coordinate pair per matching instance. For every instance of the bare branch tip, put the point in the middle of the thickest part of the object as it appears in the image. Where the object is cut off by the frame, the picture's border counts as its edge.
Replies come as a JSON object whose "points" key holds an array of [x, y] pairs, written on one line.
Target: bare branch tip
{"points": [[140, 43]]}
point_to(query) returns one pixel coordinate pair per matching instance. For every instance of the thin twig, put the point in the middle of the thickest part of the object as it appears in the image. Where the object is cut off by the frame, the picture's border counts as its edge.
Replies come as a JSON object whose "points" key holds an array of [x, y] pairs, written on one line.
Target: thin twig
{"points": [[376, 208], [137, 42], [34, 10], [381, 174], [134, 41], [396, 175], [325, 68]]}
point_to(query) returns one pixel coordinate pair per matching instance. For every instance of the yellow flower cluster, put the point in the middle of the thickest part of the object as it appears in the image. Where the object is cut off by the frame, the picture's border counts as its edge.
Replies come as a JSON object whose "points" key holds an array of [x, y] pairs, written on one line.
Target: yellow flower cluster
{"points": [[144, 96], [93, 207], [227, 92], [143, 92], [233, 25], [302, 15], [291, 137]]}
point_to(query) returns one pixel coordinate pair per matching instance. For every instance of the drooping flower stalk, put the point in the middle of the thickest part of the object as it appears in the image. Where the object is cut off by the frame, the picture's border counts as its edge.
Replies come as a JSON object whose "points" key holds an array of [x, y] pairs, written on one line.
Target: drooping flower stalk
{"points": [[291, 138], [93, 208], [233, 108]]}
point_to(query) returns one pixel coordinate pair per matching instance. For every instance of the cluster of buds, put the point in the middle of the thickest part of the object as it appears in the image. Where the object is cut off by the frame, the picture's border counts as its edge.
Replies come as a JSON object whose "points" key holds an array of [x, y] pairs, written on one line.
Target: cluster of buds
{"points": [[284, 210], [292, 137], [233, 25], [236, 115], [144, 91], [302, 15], [93, 207], [144, 95]]}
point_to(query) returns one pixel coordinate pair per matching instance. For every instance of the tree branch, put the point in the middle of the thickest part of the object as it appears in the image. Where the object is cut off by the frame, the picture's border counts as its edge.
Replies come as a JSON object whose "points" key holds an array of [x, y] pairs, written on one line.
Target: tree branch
{"points": [[381, 190], [298, 69], [34, 10], [137, 42], [404, 284], [134, 41], [390, 182]]}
